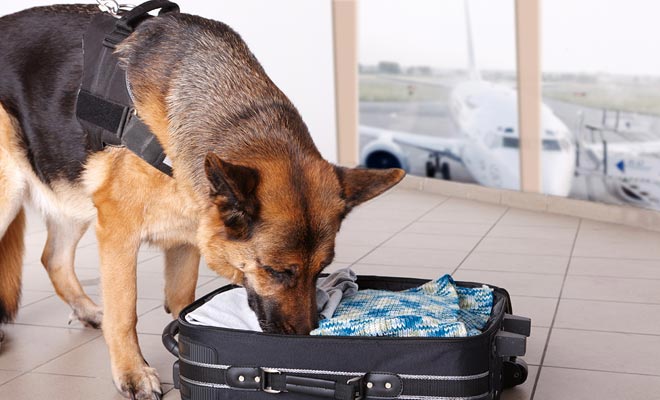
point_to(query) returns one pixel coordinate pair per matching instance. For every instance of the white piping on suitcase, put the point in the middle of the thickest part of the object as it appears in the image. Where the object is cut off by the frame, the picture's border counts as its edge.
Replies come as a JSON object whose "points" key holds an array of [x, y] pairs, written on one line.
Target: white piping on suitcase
{"points": [[481, 396], [402, 397], [197, 383], [341, 373]]}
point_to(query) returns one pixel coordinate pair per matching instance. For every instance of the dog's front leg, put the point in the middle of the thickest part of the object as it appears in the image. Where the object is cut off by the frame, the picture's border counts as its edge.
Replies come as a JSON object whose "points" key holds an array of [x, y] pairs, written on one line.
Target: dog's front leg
{"points": [[119, 241], [181, 270]]}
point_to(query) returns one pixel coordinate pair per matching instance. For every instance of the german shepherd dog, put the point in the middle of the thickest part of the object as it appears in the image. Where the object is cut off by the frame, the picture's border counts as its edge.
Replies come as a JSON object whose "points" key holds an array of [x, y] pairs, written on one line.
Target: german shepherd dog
{"points": [[250, 192]]}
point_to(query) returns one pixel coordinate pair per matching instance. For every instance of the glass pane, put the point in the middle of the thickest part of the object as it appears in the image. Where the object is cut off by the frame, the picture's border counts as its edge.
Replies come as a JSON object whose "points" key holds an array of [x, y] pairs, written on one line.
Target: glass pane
{"points": [[438, 89], [601, 79]]}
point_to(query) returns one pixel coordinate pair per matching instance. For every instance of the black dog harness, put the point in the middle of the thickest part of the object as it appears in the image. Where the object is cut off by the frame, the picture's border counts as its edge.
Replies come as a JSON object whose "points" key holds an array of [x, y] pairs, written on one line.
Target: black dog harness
{"points": [[105, 106]]}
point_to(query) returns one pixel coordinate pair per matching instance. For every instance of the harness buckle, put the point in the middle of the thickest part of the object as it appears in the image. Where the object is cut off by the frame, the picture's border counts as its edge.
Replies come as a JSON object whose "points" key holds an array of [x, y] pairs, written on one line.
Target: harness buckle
{"points": [[113, 7], [357, 384], [266, 387]]}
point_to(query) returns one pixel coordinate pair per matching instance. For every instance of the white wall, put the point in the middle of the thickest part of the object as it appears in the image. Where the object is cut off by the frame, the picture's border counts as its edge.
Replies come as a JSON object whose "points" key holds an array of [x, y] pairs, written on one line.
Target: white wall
{"points": [[291, 38]]}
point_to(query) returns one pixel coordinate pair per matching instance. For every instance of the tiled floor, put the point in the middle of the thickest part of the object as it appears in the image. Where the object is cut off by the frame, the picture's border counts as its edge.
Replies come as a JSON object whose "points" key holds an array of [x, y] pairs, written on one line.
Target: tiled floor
{"points": [[591, 289]]}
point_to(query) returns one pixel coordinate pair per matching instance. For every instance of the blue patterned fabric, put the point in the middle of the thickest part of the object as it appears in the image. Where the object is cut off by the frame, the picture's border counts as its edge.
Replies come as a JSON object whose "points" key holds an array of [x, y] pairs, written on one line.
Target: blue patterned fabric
{"points": [[436, 309]]}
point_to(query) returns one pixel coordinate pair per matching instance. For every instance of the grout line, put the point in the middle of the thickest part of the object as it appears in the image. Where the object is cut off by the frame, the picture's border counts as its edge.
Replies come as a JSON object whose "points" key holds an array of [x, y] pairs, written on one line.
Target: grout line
{"points": [[513, 272], [637, 278], [400, 230], [603, 331], [506, 211], [603, 370], [612, 301], [554, 316]]}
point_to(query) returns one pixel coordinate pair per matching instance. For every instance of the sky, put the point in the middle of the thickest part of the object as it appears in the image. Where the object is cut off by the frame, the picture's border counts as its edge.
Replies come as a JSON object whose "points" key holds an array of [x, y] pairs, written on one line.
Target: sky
{"points": [[588, 36]]}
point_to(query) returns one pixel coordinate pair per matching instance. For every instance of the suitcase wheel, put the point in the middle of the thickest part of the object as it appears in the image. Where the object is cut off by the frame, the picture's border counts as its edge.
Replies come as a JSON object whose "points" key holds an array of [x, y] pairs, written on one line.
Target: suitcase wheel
{"points": [[514, 372]]}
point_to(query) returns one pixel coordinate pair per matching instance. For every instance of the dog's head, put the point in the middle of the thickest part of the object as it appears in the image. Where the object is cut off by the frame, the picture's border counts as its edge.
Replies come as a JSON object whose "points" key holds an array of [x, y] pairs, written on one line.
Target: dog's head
{"points": [[273, 230]]}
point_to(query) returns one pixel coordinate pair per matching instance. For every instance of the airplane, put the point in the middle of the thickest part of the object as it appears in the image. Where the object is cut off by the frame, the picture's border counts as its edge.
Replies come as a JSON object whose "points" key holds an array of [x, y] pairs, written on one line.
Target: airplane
{"points": [[485, 115]]}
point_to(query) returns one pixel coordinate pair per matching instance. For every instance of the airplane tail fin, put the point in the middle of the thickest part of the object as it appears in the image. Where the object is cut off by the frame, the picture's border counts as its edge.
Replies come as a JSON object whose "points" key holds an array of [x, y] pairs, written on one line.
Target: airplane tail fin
{"points": [[475, 74]]}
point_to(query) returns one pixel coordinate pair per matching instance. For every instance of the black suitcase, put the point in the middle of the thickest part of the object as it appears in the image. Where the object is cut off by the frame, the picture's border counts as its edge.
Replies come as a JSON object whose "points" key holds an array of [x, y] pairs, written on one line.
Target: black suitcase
{"points": [[220, 363]]}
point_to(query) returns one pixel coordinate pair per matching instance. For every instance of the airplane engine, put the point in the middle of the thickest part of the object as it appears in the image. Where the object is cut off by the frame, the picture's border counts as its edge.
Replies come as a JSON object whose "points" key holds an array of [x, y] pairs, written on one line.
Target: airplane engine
{"points": [[384, 153]]}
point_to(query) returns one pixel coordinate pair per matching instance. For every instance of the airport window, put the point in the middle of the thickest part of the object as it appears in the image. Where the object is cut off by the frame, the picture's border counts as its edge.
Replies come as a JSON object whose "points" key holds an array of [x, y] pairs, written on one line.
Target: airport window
{"points": [[601, 86], [437, 87]]}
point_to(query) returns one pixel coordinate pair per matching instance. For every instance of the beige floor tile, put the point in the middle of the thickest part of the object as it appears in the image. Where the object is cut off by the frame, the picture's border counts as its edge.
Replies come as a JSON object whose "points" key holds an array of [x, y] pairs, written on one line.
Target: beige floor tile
{"points": [[31, 296], [627, 268], [350, 254], [612, 289], [354, 237], [58, 387], [604, 351], [532, 218], [398, 214], [433, 242], [26, 347], [487, 261], [535, 345], [92, 359], [54, 312], [618, 243], [373, 225], [6, 376], [483, 216], [533, 246], [608, 316], [560, 384], [533, 232], [516, 283], [539, 309], [150, 285], [524, 391], [448, 228], [400, 271], [415, 257], [172, 395], [154, 321], [35, 278]]}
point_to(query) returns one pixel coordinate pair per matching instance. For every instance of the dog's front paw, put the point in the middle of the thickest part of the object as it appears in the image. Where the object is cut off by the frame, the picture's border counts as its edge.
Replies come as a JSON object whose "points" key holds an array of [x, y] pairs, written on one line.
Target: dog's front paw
{"points": [[90, 316], [140, 384]]}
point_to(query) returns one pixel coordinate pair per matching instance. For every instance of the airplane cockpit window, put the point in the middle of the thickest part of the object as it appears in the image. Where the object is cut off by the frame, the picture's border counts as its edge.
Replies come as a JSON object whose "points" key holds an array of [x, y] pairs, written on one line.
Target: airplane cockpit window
{"points": [[508, 130], [551, 145], [510, 142]]}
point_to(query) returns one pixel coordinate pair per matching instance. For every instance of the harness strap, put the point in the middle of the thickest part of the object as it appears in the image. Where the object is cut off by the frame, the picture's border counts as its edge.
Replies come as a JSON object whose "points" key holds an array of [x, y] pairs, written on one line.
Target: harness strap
{"points": [[324, 384], [127, 127], [104, 106]]}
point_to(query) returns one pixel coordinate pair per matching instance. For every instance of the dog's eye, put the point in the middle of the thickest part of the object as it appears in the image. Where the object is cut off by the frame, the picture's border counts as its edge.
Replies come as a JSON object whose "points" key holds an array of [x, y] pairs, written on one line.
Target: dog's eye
{"points": [[278, 273]]}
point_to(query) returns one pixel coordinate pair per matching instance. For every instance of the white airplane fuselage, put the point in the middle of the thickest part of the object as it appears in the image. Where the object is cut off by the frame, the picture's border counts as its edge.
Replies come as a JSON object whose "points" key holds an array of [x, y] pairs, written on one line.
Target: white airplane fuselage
{"points": [[486, 116]]}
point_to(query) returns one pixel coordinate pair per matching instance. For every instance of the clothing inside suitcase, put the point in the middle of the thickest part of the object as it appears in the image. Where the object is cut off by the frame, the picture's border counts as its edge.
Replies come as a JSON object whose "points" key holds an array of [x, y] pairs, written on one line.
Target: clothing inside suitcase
{"points": [[438, 308], [222, 363]]}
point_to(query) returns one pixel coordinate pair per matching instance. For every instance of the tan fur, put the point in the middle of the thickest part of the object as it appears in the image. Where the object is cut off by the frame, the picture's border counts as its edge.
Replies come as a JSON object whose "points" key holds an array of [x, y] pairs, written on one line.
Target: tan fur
{"points": [[11, 265]]}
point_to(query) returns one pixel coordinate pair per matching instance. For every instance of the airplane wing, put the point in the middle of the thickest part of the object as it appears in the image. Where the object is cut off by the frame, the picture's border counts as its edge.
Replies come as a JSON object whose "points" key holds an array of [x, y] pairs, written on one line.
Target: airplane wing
{"points": [[447, 147]]}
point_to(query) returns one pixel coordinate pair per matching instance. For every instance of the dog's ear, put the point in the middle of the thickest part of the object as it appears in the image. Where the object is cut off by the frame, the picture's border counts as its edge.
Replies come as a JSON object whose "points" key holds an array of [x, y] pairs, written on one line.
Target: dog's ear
{"points": [[233, 190], [360, 184]]}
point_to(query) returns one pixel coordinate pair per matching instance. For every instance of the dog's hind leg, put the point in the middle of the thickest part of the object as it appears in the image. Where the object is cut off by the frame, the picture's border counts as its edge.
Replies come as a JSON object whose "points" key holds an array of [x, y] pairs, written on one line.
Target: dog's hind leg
{"points": [[58, 259], [12, 226], [181, 270]]}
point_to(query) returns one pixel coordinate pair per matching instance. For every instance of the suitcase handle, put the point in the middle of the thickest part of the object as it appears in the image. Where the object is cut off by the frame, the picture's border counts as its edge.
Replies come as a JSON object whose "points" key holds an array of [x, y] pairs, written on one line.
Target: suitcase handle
{"points": [[171, 330]]}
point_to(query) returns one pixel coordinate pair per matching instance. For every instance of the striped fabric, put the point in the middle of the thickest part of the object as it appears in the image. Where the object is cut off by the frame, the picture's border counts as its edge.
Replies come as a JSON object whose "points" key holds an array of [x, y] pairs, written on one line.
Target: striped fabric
{"points": [[436, 309]]}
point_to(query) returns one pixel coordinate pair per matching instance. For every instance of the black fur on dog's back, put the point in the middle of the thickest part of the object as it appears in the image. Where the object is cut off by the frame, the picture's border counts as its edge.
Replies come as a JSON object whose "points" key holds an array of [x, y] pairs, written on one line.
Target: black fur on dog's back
{"points": [[40, 72]]}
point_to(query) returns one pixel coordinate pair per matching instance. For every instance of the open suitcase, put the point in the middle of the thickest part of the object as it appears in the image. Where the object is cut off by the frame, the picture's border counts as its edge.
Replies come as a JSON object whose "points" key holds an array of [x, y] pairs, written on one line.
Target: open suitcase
{"points": [[219, 363]]}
